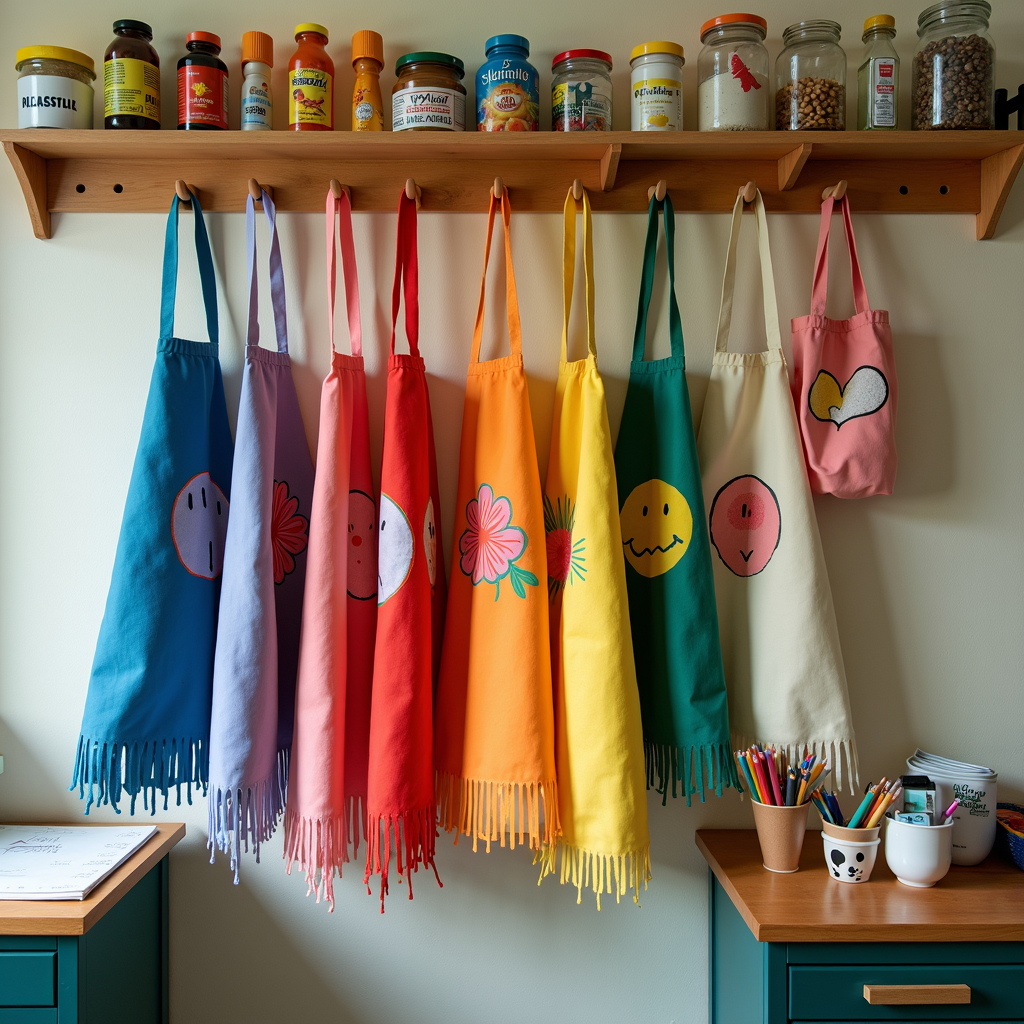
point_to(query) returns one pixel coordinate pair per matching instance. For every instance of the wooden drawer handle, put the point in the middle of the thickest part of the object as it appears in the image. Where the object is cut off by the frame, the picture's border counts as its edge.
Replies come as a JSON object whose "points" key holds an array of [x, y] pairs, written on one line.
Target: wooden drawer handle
{"points": [[917, 995]]}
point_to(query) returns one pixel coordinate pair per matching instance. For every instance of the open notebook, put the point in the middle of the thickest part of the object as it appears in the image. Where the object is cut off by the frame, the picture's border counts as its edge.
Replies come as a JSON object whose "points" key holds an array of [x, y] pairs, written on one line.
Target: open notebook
{"points": [[63, 862]]}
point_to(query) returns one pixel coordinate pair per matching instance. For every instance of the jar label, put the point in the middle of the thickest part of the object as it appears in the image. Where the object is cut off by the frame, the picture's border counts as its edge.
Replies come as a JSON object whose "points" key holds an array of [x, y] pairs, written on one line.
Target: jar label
{"points": [[53, 101], [309, 97], [131, 86], [508, 97], [579, 107], [202, 96], [428, 108], [257, 106], [882, 99], [657, 105]]}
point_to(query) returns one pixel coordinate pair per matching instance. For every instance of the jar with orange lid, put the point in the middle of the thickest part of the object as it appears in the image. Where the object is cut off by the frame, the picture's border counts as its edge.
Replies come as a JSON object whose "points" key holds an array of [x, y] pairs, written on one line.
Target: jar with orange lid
{"points": [[367, 62], [257, 98], [311, 81], [733, 93]]}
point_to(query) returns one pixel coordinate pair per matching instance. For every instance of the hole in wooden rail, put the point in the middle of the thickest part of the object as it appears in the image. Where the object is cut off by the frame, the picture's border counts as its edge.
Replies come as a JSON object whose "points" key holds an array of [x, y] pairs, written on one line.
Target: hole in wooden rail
{"points": [[943, 189], [79, 189], [904, 190], [119, 189]]}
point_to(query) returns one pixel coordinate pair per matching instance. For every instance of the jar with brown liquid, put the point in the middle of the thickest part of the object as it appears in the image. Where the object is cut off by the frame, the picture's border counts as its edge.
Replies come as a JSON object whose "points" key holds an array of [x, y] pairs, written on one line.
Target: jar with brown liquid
{"points": [[131, 78]]}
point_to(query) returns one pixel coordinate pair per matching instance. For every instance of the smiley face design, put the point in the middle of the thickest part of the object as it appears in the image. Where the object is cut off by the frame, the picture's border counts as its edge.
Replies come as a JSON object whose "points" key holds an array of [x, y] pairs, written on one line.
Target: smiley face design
{"points": [[395, 550], [430, 540], [199, 524], [745, 524], [362, 546], [656, 525]]}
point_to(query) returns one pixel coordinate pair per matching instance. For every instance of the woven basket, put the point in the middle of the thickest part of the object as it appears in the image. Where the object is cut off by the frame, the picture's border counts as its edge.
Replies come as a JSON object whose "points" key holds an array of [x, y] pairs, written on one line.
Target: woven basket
{"points": [[1014, 839]]}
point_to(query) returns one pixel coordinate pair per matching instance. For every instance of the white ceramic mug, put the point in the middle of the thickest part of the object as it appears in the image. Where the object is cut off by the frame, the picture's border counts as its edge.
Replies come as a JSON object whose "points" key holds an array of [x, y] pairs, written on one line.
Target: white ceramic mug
{"points": [[974, 820], [918, 855]]}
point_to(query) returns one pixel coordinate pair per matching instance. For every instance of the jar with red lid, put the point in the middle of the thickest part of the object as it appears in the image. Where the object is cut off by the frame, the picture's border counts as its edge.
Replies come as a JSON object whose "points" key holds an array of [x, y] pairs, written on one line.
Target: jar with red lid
{"points": [[581, 91], [202, 84]]}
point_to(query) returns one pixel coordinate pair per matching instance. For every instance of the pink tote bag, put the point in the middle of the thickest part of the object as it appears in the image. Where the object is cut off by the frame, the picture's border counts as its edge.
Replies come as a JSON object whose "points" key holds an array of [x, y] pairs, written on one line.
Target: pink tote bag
{"points": [[844, 384]]}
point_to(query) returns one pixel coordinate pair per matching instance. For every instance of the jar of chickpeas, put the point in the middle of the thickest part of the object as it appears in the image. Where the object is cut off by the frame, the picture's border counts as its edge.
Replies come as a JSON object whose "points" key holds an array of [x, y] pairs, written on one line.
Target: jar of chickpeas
{"points": [[810, 78]]}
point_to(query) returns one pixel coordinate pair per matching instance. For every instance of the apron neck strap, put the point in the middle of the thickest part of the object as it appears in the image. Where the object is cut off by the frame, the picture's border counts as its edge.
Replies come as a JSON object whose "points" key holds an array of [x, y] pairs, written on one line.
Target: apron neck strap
{"points": [[169, 285], [252, 336], [675, 323], [569, 269], [819, 290], [515, 334], [343, 208], [407, 276], [771, 309]]}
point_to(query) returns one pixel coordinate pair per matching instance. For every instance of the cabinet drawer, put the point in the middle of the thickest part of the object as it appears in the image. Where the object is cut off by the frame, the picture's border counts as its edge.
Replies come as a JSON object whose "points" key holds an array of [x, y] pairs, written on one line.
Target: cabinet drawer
{"points": [[21, 1015], [824, 993], [27, 979]]}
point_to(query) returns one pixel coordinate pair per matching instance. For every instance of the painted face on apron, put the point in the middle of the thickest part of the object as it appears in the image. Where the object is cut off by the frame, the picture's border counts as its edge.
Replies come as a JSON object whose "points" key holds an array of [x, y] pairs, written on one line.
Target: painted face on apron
{"points": [[395, 554], [656, 525], [362, 551], [199, 524], [746, 524]]}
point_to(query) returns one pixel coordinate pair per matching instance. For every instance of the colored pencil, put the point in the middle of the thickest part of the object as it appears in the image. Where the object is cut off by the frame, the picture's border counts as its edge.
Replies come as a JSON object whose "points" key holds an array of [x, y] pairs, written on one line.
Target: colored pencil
{"points": [[745, 771], [773, 777], [869, 799], [791, 787]]}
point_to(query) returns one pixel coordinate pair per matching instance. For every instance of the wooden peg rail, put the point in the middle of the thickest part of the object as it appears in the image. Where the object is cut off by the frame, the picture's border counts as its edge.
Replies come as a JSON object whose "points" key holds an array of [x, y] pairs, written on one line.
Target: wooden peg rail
{"points": [[70, 171]]}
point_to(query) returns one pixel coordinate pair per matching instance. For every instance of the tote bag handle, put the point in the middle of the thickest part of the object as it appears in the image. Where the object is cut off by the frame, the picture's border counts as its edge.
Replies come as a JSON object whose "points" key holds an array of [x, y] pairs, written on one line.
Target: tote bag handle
{"points": [[569, 269], [771, 309], [407, 276], [515, 334], [252, 335], [675, 324], [169, 285], [343, 208], [819, 290]]}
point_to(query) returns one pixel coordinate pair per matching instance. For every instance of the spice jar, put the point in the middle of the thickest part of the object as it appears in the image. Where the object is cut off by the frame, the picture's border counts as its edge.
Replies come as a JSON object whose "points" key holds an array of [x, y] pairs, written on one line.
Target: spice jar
{"points": [[202, 84], [581, 91], [507, 87], [810, 79], [656, 87], [311, 81], [878, 78], [733, 74], [953, 67], [429, 95], [54, 87], [367, 62], [131, 78], [257, 97]]}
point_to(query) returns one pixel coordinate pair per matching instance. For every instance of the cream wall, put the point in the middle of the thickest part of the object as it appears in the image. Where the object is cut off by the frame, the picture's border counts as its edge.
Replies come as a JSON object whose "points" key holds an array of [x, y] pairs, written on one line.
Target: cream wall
{"points": [[927, 583]]}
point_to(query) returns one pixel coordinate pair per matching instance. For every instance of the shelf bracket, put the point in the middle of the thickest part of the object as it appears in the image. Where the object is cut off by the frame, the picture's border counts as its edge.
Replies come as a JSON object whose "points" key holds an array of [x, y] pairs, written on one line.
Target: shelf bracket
{"points": [[791, 165], [610, 166], [998, 172], [31, 171]]}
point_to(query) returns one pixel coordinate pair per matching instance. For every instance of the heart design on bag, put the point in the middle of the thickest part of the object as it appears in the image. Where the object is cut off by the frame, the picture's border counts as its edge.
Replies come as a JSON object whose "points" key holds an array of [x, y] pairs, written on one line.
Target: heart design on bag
{"points": [[865, 392]]}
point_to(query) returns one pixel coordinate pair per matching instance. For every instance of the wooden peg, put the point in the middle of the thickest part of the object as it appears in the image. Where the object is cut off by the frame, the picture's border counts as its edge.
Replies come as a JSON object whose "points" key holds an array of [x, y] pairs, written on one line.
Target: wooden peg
{"points": [[577, 189], [183, 191], [256, 190], [749, 191], [835, 191], [658, 191], [498, 189], [337, 188]]}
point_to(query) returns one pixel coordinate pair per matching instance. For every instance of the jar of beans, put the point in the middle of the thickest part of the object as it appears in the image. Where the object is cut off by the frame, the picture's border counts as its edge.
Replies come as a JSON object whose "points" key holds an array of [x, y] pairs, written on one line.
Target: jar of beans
{"points": [[953, 67], [810, 79]]}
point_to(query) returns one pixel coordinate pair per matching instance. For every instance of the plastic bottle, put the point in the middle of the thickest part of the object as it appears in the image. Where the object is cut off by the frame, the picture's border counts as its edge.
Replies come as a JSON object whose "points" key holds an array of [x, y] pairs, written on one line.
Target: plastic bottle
{"points": [[367, 60], [257, 99], [878, 79], [311, 81], [131, 78], [507, 87], [202, 84]]}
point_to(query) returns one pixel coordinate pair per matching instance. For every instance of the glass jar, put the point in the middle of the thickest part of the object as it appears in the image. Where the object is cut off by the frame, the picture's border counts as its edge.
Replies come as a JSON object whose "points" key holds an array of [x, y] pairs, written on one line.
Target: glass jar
{"points": [[54, 87], [733, 94], [656, 87], [581, 91], [429, 95], [202, 85], [810, 79], [878, 78], [953, 67], [131, 78]]}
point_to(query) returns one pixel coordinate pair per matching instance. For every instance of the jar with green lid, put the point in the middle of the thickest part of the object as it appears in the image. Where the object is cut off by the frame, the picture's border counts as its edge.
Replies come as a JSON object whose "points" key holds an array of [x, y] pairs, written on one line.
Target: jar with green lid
{"points": [[54, 87], [429, 95]]}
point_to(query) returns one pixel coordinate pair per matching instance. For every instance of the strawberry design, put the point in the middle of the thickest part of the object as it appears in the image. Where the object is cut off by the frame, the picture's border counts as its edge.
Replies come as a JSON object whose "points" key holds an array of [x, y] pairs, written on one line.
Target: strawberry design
{"points": [[742, 72]]}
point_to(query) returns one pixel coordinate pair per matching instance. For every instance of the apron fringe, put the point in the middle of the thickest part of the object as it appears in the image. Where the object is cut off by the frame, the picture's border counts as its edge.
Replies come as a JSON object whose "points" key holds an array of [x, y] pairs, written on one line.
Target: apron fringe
{"points": [[413, 833], [603, 872], [491, 810], [835, 750], [694, 770], [237, 820], [320, 847], [116, 768]]}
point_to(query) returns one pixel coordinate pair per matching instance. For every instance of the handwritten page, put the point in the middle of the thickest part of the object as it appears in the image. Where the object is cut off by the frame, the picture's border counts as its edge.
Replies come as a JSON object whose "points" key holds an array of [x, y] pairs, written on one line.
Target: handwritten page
{"points": [[63, 862]]}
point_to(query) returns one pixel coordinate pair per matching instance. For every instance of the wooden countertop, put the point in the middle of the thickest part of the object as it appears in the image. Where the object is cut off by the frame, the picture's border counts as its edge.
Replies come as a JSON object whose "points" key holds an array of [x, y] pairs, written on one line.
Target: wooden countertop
{"points": [[76, 917], [976, 904]]}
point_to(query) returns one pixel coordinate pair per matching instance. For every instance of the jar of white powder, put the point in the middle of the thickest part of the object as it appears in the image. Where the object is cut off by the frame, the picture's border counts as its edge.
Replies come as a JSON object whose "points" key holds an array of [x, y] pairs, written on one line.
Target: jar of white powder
{"points": [[732, 71]]}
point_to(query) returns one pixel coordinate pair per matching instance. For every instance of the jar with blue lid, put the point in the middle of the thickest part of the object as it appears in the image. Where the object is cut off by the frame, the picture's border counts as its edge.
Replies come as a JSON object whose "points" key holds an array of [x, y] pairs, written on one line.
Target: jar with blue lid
{"points": [[507, 87]]}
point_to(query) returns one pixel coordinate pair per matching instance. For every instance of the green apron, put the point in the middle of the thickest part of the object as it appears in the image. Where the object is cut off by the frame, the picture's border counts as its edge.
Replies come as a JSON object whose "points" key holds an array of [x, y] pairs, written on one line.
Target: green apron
{"points": [[669, 578]]}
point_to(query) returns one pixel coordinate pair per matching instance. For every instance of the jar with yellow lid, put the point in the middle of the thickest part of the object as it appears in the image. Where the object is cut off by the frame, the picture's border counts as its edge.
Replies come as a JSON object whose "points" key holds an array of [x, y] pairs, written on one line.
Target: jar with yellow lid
{"points": [[878, 79], [54, 87], [429, 95], [656, 87]]}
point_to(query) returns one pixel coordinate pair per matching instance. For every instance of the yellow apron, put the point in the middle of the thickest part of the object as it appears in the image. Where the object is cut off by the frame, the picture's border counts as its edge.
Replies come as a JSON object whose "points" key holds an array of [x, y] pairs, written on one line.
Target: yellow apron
{"points": [[599, 747]]}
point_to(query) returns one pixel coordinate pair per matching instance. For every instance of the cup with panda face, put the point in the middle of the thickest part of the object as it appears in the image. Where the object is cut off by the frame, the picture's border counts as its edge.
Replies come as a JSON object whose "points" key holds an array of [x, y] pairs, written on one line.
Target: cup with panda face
{"points": [[849, 861]]}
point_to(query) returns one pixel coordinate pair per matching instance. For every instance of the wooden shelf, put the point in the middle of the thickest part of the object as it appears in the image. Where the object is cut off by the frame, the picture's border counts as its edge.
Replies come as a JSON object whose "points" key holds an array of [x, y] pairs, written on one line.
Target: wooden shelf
{"points": [[896, 172]]}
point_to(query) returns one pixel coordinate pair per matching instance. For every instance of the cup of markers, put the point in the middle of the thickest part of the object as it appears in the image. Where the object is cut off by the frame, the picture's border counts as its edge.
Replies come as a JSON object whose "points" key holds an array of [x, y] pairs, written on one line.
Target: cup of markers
{"points": [[780, 798]]}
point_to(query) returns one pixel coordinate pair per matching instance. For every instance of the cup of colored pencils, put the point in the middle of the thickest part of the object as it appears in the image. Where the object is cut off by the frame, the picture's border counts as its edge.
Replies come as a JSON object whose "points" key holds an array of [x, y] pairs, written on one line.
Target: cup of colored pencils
{"points": [[866, 820], [780, 795]]}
